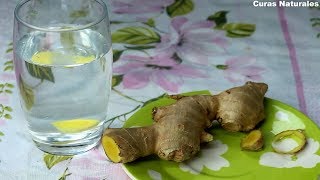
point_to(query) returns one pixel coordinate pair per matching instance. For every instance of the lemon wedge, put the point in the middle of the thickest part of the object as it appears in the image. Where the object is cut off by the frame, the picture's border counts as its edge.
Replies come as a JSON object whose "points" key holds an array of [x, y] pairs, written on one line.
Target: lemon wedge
{"points": [[75, 125], [52, 57], [83, 59], [44, 57]]}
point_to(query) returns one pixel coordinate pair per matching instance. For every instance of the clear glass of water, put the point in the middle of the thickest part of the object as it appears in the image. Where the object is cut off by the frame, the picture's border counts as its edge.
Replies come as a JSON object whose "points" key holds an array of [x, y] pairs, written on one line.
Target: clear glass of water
{"points": [[63, 66]]}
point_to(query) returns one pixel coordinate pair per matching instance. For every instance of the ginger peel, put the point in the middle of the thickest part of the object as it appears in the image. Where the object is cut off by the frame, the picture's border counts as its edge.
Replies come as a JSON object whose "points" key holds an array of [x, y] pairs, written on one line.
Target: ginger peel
{"points": [[279, 144], [179, 128]]}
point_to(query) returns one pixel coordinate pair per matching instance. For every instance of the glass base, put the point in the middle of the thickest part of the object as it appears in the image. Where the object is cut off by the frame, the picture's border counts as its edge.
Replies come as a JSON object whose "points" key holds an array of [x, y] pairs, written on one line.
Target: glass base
{"points": [[68, 146]]}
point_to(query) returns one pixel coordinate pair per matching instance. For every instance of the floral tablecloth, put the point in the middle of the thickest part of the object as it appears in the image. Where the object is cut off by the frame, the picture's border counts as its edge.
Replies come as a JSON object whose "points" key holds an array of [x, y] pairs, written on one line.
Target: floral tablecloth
{"points": [[172, 46]]}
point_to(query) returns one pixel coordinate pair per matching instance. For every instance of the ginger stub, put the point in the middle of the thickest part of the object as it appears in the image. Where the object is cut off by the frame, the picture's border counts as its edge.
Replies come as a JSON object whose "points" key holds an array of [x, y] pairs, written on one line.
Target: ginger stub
{"points": [[179, 128]]}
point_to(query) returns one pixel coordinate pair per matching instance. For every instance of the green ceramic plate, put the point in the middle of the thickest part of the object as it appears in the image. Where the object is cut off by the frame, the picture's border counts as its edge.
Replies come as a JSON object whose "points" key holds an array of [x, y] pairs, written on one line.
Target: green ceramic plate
{"points": [[223, 158]]}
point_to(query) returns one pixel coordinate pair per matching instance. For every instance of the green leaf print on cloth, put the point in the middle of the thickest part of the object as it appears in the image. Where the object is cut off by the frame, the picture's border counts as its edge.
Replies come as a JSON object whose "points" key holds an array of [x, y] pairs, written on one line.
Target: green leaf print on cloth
{"points": [[67, 39], [315, 23], [233, 30], [116, 80], [1, 134], [79, 13], [135, 35], [8, 66], [52, 160], [116, 54], [40, 72], [315, 20], [238, 30], [26, 94], [5, 112], [180, 7], [6, 88], [150, 22], [10, 48], [220, 18]]}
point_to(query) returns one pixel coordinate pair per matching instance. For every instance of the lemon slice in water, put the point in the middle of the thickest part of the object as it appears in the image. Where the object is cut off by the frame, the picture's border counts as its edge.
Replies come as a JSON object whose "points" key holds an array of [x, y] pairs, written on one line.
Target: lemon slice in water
{"points": [[75, 125], [52, 57], [83, 59], [44, 57]]}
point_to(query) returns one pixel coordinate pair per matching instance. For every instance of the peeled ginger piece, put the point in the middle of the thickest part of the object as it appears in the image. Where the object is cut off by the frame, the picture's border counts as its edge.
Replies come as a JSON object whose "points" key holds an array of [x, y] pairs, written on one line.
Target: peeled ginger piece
{"points": [[253, 141]]}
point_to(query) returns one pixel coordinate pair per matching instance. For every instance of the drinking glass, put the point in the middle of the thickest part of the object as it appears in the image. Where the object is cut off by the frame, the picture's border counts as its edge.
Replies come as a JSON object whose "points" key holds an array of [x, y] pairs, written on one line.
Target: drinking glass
{"points": [[63, 67]]}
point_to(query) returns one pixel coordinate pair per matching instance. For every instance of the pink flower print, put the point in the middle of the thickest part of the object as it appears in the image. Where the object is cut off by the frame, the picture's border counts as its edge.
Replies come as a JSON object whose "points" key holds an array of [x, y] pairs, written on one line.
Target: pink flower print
{"points": [[7, 77], [241, 69], [139, 6], [162, 69], [193, 41], [94, 165], [2, 122], [4, 99]]}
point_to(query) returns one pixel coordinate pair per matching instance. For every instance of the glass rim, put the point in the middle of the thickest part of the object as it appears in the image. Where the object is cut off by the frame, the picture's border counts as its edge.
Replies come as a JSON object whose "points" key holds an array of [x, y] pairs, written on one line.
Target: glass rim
{"points": [[21, 3]]}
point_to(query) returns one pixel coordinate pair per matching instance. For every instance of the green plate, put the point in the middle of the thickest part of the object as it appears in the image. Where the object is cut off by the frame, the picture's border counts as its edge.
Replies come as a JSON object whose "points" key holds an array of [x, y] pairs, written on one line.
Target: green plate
{"points": [[223, 158]]}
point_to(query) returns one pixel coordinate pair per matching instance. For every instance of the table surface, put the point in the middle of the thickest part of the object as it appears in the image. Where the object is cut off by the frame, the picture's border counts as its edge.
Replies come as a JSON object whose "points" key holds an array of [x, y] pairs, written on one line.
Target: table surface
{"points": [[193, 45]]}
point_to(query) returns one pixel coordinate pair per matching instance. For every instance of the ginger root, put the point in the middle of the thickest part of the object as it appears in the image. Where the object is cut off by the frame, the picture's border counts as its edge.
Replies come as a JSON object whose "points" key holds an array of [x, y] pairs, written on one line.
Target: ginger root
{"points": [[253, 141], [179, 128]]}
